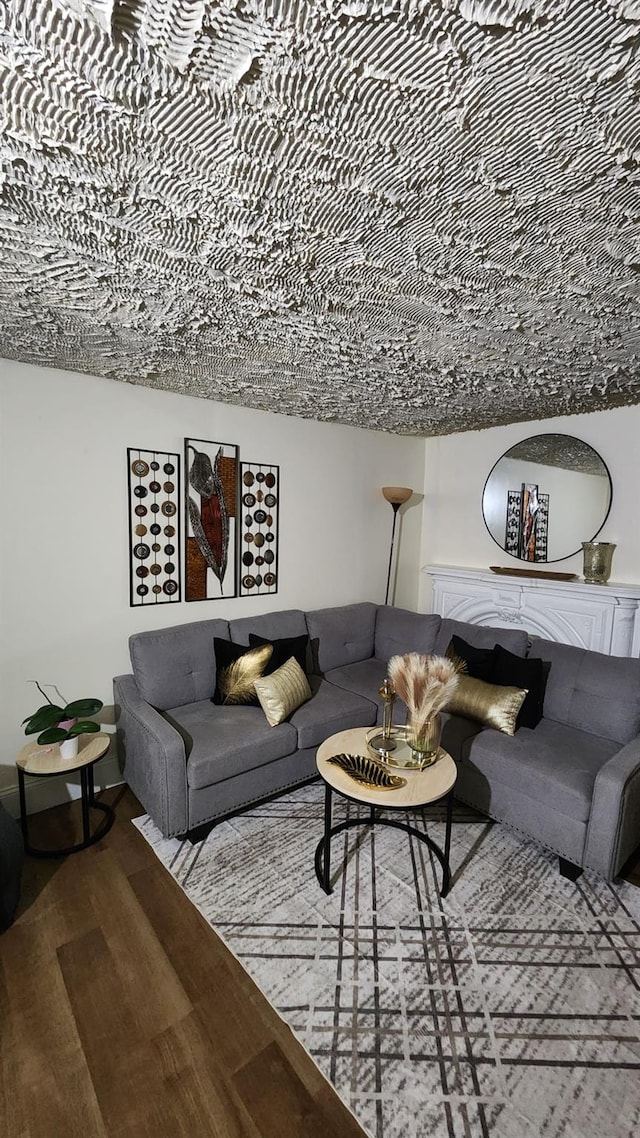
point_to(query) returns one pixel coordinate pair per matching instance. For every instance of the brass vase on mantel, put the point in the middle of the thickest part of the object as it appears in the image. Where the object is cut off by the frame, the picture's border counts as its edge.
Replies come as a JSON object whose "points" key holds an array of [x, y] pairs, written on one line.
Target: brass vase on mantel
{"points": [[597, 557]]}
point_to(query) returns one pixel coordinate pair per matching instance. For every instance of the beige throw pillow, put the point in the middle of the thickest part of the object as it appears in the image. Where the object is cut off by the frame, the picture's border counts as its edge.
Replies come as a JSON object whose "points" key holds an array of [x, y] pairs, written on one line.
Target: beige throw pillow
{"points": [[492, 704], [283, 691]]}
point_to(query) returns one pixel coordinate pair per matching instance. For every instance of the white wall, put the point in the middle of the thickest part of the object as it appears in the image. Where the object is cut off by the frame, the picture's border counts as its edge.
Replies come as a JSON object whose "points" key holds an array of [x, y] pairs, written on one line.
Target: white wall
{"points": [[64, 570], [456, 468]]}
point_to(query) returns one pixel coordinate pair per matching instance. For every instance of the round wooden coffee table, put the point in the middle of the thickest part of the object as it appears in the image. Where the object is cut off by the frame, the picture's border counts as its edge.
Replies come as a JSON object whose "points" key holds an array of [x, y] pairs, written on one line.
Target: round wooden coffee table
{"points": [[421, 787], [44, 762]]}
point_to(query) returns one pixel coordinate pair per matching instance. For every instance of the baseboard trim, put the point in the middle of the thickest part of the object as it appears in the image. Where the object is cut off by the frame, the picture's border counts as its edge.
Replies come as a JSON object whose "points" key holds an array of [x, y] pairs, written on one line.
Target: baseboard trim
{"points": [[42, 793]]}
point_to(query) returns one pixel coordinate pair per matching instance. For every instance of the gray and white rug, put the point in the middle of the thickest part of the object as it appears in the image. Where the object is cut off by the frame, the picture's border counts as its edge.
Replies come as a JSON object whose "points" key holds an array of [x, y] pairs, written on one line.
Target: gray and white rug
{"points": [[511, 1009]]}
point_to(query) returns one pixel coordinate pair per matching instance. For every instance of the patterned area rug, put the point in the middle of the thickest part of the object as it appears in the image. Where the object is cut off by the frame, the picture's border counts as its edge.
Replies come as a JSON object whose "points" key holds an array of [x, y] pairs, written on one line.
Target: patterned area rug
{"points": [[510, 1009]]}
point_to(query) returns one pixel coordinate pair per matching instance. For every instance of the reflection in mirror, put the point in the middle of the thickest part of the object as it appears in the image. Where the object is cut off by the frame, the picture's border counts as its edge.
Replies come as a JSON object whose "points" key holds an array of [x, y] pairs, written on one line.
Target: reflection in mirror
{"points": [[545, 496]]}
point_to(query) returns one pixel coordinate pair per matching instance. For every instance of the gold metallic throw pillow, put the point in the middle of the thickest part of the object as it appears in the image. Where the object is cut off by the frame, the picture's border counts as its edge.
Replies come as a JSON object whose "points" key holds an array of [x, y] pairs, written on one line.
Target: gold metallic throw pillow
{"points": [[283, 691], [491, 704], [235, 681]]}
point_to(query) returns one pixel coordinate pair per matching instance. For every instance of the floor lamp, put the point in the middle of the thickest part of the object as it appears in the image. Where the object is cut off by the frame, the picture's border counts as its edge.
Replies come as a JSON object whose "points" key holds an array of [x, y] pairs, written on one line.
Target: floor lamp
{"points": [[396, 496]]}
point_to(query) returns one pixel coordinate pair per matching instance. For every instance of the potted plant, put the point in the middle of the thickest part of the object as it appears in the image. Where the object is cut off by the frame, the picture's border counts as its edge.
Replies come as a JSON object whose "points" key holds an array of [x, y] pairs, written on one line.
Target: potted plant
{"points": [[62, 725]]}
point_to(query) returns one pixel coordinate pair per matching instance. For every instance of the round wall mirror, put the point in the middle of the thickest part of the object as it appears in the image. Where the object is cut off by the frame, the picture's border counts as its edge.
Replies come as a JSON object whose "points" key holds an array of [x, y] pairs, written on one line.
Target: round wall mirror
{"points": [[545, 496]]}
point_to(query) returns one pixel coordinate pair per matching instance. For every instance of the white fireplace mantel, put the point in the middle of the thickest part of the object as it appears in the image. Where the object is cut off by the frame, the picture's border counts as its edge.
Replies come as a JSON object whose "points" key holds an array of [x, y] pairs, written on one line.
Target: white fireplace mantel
{"points": [[605, 618]]}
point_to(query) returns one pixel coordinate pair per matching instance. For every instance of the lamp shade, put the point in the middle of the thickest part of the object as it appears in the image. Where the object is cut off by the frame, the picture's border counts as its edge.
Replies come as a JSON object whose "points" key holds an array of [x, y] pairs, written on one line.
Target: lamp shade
{"points": [[396, 494]]}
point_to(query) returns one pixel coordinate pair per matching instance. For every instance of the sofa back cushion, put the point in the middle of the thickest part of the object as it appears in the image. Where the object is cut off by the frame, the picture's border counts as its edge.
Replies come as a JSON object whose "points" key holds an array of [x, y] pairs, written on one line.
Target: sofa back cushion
{"points": [[597, 693], [399, 631], [175, 666], [271, 625], [288, 625], [341, 635], [516, 640]]}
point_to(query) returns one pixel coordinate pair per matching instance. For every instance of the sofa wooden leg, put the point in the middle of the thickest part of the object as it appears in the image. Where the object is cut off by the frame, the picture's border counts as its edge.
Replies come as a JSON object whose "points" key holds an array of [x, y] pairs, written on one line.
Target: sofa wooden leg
{"points": [[568, 869]]}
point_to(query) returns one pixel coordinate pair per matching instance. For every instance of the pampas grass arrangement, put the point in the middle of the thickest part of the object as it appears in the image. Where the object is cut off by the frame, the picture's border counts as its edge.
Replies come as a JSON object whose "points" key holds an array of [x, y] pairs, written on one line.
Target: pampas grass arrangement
{"points": [[425, 684]]}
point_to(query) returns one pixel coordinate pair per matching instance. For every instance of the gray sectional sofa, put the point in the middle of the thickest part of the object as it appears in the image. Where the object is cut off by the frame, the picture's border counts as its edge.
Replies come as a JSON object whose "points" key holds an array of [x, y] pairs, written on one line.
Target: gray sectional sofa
{"points": [[572, 782]]}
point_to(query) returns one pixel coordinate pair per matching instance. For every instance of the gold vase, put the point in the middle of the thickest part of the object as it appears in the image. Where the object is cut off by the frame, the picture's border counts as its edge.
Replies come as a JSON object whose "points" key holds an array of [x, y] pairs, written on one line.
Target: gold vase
{"points": [[597, 557], [424, 739]]}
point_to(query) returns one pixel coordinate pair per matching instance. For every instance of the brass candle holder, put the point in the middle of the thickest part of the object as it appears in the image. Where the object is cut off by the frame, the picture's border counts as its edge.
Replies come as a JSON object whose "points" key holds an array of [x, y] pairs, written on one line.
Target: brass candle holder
{"points": [[383, 743]]}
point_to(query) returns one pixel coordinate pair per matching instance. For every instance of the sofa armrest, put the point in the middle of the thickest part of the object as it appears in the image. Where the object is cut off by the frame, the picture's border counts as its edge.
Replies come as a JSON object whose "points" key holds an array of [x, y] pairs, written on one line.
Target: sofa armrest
{"points": [[153, 757], [613, 832]]}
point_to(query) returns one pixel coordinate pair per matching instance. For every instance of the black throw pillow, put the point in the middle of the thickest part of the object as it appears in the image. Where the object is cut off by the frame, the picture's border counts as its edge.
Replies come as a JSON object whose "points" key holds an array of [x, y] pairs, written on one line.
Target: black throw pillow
{"points": [[236, 668], [479, 661], [283, 650], [522, 672]]}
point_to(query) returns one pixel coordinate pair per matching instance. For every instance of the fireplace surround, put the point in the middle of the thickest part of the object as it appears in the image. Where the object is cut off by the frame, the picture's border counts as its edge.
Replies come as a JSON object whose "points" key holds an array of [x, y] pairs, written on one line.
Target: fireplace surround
{"points": [[603, 618]]}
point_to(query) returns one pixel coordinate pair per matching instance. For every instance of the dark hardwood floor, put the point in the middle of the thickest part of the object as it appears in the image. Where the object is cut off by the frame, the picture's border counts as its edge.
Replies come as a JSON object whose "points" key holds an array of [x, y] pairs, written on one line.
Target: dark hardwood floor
{"points": [[123, 1014]]}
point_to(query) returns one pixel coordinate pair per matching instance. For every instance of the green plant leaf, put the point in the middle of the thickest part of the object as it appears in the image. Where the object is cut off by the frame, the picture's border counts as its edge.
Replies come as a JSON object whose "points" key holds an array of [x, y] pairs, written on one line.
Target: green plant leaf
{"points": [[46, 716], [52, 735], [81, 707], [83, 727]]}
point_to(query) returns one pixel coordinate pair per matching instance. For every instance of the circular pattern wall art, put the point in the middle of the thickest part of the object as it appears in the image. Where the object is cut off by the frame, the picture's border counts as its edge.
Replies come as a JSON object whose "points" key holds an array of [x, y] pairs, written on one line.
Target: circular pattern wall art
{"points": [[260, 493], [154, 496]]}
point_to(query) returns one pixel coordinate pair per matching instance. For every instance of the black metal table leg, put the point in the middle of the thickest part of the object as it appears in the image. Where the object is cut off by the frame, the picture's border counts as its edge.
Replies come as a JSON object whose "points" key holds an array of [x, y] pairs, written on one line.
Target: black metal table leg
{"points": [[323, 849], [88, 802], [404, 826], [23, 808], [322, 864], [84, 788], [446, 872]]}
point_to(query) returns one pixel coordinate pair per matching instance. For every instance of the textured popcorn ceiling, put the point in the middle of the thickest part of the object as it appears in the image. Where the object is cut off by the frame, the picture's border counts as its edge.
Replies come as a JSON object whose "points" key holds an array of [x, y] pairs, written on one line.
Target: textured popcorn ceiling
{"points": [[559, 450], [416, 217]]}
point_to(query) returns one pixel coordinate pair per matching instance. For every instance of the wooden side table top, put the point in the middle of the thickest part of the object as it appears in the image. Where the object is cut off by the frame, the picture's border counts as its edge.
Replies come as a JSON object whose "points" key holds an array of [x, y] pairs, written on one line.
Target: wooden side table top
{"points": [[36, 760], [421, 787]]}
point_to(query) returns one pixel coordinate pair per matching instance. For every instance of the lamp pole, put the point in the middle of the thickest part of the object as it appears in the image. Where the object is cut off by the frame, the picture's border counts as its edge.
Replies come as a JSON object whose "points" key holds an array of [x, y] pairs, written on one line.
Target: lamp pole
{"points": [[396, 496], [395, 507]]}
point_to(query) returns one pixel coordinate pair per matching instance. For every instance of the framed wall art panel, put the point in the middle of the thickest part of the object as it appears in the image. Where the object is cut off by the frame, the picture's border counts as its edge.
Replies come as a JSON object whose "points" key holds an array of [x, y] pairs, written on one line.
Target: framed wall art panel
{"points": [[154, 526], [527, 525], [259, 514], [211, 492]]}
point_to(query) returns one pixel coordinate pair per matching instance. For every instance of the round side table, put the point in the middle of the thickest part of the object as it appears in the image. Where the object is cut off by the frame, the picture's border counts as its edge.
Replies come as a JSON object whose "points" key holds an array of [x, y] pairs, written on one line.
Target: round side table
{"points": [[46, 762], [420, 788]]}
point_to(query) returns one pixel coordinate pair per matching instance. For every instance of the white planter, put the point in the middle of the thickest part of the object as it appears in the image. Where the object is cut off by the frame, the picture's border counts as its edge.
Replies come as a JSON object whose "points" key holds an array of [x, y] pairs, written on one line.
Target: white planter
{"points": [[69, 748]]}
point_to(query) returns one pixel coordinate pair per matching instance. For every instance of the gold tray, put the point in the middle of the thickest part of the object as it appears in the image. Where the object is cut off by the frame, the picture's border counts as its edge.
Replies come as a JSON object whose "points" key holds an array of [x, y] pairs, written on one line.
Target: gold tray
{"points": [[400, 755]]}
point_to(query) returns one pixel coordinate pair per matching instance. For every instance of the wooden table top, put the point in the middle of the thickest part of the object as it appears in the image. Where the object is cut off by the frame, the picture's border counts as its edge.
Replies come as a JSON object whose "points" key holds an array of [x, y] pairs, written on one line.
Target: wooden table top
{"points": [[421, 786], [35, 760]]}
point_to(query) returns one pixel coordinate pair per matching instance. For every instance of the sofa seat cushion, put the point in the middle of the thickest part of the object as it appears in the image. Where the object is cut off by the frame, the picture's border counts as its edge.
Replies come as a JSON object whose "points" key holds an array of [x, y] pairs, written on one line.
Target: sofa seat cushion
{"points": [[329, 710], [553, 764], [364, 679], [221, 742], [456, 730]]}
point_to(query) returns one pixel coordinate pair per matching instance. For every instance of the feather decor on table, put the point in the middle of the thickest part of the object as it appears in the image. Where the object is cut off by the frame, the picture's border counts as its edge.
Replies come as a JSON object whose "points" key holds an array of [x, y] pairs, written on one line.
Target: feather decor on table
{"points": [[367, 771], [424, 683]]}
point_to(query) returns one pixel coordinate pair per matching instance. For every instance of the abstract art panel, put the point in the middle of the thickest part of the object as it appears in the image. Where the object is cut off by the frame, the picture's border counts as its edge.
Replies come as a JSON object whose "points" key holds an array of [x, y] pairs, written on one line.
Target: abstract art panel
{"points": [[154, 526], [527, 524], [259, 512], [211, 487]]}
